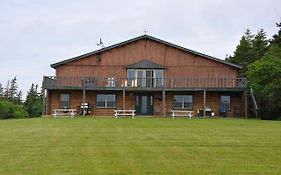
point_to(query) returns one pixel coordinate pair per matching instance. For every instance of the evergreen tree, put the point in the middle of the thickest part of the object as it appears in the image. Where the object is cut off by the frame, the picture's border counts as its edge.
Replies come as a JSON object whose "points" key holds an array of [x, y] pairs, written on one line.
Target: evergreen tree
{"points": [[1, 91], [19, 98], [7, 91], [33, 103], [250, 49], [13, 90], [260, 46], [242, 54], [265, 76], [276, 39]]}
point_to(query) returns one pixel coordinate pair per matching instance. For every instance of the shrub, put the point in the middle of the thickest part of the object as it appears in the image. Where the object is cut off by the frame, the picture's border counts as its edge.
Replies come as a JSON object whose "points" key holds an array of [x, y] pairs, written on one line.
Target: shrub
{"points": [[9, 110]]}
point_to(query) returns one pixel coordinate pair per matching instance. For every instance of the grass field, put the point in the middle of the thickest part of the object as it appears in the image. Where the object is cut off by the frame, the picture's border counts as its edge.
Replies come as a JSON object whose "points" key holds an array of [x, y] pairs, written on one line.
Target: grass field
{"points": [[140, 146]]}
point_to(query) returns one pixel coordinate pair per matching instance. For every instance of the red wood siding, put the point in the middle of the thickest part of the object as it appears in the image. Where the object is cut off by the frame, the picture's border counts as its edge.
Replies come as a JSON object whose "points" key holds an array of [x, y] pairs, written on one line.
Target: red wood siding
{"points": [[213, 101], [178, 63]]}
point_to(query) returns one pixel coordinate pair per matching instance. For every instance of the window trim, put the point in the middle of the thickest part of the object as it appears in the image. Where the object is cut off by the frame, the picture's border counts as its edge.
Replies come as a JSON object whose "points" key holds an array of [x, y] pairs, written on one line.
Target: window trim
{"points": [[105, 107], [60, 106], [183, 108]]}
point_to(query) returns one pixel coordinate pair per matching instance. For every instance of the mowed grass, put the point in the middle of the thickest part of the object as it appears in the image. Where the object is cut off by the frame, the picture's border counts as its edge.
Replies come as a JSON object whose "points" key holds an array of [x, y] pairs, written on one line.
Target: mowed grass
{"points": [[140, 146]]}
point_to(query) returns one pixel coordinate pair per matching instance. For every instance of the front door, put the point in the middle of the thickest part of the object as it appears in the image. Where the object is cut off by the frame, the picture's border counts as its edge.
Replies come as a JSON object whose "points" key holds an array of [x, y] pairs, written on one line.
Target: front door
{"points": [[144, 104]]}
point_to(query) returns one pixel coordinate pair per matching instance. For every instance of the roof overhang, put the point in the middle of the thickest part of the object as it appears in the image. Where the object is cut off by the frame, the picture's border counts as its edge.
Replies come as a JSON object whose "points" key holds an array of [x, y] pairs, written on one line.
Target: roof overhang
{"points": [[153, 39], [145, 64]]}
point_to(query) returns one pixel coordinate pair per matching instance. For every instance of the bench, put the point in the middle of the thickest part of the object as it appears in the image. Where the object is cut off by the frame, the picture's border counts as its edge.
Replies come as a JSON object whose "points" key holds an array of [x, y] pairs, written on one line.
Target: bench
{"points": [[182, 113], [64, 112], [123, 112]]}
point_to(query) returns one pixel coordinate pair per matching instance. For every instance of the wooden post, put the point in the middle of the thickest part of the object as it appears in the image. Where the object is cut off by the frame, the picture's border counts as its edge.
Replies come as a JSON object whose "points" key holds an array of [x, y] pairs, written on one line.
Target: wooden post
{"points": [[83, 101], [44, 102], [47, 102], [204, 108], [124, 100], [164, 102], [246, 103]]}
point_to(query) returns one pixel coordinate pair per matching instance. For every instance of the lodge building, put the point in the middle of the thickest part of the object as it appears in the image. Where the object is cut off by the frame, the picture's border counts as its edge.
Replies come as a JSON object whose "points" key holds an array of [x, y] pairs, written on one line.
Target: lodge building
{"points": [[148, 75]]}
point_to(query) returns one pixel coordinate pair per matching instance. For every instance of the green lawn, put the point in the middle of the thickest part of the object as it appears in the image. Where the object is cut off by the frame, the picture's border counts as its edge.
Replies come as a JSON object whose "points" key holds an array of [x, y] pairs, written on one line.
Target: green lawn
{"points": [[140, 146]]}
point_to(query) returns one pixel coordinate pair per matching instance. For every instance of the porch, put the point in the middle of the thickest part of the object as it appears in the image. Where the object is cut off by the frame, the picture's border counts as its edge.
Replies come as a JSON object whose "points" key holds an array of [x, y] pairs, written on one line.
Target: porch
{"points": [[117, 83], [156, 103], [129, 92]]}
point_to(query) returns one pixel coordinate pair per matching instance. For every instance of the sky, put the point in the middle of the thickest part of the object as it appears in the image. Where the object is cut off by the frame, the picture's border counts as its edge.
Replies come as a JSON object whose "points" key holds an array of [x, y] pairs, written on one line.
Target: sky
{"points": [[37, 33]]}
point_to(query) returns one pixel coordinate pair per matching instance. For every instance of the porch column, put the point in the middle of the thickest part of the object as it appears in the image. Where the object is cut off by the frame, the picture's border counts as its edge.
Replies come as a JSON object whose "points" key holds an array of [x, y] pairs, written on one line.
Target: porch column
{"points": [[164, 102], [204, 107], [246, 103], [124, 100], [83, 100], [44, 102]]}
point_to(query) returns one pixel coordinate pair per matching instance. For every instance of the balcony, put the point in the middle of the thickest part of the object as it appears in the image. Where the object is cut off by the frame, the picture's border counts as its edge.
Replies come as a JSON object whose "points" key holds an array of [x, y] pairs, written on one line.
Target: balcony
{"points": [[113, 83]]}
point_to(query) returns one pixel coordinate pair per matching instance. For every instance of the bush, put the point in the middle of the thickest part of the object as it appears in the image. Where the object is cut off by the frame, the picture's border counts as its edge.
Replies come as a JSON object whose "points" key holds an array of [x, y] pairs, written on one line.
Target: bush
{"points": [[9, 110]]}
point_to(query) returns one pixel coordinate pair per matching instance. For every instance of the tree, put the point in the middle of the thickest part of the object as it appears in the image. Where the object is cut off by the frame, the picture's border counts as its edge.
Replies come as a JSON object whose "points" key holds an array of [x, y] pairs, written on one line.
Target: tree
{"points": [[265, 78], [242, 55], [259, 46], [13, 90], [33, 103], [276, 39], [18, 98], [9, 110], [7, 91], [1, 91]]}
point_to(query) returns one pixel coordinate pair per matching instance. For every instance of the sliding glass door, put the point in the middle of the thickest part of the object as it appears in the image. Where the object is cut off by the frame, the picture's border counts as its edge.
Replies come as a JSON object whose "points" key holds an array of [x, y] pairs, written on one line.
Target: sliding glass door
{"points": [[145, 78]]}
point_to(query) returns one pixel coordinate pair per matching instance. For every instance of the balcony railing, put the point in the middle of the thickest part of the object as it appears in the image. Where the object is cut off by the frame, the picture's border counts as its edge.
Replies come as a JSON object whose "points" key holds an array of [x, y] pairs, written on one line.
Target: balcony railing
{"points": [[51, 82]]}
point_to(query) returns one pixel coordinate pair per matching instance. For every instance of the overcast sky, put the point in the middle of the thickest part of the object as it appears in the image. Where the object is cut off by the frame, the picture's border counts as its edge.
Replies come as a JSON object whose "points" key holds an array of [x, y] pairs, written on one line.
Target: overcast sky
{"points": [[37, 33]]}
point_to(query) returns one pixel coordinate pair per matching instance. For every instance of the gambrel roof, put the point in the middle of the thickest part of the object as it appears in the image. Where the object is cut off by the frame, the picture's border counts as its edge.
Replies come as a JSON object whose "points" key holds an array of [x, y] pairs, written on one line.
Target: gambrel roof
{"points": [[150, 38]]}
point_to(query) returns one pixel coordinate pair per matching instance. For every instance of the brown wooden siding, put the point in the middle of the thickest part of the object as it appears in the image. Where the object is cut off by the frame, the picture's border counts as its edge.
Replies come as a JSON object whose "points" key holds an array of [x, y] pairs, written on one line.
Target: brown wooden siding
{"points": [[212, 100], [178, 63]]}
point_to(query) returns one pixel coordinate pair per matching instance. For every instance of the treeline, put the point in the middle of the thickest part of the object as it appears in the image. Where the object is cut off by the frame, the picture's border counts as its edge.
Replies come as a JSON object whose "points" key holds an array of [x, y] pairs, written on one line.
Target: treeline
{"points": [[261, 61], [12, 105]]}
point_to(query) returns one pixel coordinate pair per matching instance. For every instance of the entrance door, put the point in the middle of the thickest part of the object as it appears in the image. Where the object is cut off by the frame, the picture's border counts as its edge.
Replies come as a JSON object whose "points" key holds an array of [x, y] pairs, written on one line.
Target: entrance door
{"points": [[144, 104]]}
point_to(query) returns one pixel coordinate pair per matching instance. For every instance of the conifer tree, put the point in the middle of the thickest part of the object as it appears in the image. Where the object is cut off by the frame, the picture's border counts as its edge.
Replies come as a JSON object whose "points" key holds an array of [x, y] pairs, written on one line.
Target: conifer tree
{"points": [[243, 54], [7, 91], [276, 39], [13, 90], [260, 45], [19, 98], [250, 49], [1, 91], [33, 103]]}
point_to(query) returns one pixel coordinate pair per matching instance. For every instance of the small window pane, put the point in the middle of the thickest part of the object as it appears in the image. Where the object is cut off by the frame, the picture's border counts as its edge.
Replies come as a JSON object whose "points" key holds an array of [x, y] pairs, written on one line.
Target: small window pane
{"points": [[158, 78], [131, 77], [110, 99], [183, 102], [64, 101], [105, 100]]}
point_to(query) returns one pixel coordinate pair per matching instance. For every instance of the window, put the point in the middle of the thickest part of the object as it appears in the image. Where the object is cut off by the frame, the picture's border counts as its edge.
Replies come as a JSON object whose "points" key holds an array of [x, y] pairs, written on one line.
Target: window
{"points": [[131, 77], [145, 77], [183, 102], [64, 101], [158, 75], [106, 100], [225, 103]]}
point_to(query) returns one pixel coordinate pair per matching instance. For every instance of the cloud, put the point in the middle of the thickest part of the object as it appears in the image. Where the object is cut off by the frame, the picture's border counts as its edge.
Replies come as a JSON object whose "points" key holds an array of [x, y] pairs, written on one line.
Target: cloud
{"points": [[35, 34]]}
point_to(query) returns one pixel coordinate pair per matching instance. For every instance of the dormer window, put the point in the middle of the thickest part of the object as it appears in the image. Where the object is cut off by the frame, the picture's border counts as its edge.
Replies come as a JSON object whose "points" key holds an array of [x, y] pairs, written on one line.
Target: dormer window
{"points": [[145, 74], [145, 78]]}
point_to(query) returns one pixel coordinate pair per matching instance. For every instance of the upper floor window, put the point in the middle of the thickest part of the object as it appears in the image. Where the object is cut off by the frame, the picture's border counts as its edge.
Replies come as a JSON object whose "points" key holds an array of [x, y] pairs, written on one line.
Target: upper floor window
{"points": [[64, 101], [145, 77], [183, 102]]}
